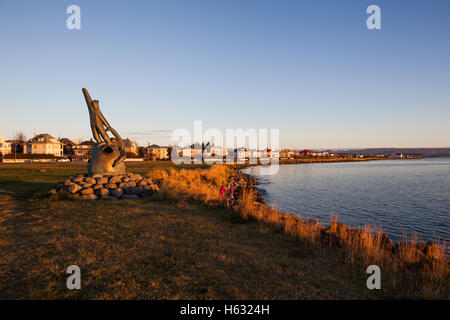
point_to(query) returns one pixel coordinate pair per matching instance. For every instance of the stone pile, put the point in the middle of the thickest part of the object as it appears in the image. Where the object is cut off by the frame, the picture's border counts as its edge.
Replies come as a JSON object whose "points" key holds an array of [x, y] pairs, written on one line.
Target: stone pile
{"points": [[108, 187]]}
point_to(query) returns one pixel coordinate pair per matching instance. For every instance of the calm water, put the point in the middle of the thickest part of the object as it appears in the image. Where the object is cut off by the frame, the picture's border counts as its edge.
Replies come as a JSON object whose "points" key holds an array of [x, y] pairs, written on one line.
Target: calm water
{"points": [[410, 196]]}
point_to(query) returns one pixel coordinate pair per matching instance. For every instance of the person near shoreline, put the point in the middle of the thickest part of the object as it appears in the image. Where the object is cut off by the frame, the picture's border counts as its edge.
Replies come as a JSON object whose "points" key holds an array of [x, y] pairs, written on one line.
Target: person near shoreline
{"points": [[231, 189], [222, 191]]}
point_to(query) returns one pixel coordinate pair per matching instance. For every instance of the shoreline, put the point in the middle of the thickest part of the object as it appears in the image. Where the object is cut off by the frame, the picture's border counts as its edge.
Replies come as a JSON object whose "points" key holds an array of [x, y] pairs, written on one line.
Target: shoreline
{"points": [[427, 248]]}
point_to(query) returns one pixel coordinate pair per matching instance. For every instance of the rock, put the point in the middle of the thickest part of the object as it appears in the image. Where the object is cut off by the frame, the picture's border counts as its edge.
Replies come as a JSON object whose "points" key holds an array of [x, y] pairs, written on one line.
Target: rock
{"points": [[116, 192], [53, 191], [97, 176], [135, 177], [131, 184], [125, 179], [123, 185], [111, 186], [130, 196], [102, 180], [115, 179], [89, 197], [142, 183], [68, 182], [74, 188], [109, 198], [78, 179], [103, 192], [90, 180], [87, 191], [86, 185], [97, 186]]}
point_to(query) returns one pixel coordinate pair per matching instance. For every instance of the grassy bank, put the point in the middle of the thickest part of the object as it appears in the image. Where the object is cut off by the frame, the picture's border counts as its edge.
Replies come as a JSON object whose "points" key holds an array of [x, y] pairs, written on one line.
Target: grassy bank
{"points": [[177, 245]]}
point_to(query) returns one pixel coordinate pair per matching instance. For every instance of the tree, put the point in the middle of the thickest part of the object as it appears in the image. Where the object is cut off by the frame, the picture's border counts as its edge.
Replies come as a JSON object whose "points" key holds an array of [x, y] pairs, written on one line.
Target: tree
{"points": [[19, 136], [19, 139]]}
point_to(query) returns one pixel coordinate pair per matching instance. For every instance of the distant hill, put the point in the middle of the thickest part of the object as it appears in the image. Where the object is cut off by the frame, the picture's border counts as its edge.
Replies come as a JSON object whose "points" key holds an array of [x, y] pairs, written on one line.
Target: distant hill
{"points": [[423, 152]]}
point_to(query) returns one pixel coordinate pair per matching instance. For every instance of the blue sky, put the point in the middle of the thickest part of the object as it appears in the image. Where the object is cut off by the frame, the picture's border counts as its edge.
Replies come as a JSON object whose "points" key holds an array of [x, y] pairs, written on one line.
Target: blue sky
{"points": [[310, 68]]}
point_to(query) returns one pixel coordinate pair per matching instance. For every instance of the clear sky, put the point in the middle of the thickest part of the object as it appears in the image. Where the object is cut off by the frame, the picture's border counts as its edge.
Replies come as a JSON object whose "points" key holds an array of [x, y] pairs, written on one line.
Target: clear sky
{"points": [[310, 68]]}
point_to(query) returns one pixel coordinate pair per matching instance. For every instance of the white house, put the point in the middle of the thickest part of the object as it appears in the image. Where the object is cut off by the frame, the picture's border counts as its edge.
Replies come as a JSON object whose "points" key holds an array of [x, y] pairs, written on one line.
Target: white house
{"points": [[44, 144], [130, 146], [157, 152], [5, 147]]}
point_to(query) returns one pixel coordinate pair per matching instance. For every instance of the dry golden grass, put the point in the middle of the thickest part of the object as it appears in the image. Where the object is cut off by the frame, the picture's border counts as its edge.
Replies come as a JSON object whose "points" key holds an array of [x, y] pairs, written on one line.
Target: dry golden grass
{"points": [[148, 249], [409, 266], [184, 185]]}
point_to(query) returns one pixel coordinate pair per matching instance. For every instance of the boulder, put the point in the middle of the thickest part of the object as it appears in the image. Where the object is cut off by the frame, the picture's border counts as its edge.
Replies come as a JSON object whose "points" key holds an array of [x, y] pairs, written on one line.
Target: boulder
{"points": [[125, 179], [103, 192], [116, 192], [90, 180], [68, 182], [123, 185], [86, 185], [115, 179], [78, 179], [111, 186], [135, 177], [89, 197], [87, 191], [97, 186], [142, 183], [74, 188], [102, 180]]}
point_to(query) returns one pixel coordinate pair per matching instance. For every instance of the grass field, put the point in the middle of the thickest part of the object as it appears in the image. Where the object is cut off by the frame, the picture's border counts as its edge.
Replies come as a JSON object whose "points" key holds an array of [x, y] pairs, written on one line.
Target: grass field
{"points": [[155, 249]]}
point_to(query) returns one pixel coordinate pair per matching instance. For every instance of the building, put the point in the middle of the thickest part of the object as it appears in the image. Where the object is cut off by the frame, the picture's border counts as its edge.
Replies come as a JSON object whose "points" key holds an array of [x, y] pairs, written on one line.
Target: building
{"points": [[155, 152], [67, 146], [5, 147], [286, 154], [305, 153], [319, 154], [130, 146], [241, 154], [44, 144], [83, 149]]}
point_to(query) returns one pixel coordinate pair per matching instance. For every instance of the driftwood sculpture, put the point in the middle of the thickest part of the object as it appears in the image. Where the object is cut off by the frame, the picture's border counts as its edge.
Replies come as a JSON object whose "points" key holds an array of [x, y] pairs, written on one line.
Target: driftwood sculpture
{"points": [[108, 153]]}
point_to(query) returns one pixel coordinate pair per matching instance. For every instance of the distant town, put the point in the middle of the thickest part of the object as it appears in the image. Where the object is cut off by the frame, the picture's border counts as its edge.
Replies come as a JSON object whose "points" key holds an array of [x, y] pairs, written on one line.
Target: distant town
{"points": [[46, 148]]}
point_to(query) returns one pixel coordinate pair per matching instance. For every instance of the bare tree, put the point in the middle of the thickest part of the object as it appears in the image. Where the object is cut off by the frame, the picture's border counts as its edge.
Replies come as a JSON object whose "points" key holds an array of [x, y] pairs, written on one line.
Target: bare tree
{"points": [[20, 137]]}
